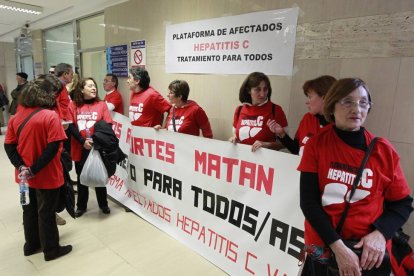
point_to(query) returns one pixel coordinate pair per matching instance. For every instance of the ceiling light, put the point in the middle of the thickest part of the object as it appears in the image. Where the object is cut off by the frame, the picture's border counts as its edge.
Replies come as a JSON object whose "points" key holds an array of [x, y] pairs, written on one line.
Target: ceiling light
{"points": [[20, 7]]}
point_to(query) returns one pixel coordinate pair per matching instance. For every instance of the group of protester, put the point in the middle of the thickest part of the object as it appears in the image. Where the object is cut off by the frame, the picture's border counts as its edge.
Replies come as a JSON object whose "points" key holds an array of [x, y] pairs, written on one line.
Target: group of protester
{"points": [[330, 137]]}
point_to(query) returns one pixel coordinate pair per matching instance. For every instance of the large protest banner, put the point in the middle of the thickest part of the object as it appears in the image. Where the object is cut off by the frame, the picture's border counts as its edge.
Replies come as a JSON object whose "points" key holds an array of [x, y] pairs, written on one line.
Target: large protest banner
{"points": [[260, 41], [237, 209]]}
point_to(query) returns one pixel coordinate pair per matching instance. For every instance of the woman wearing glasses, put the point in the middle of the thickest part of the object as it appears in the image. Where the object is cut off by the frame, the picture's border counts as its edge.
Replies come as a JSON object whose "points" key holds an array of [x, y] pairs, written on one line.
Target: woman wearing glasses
{"points": [[381, 203], [186, 116], [312, 122]]}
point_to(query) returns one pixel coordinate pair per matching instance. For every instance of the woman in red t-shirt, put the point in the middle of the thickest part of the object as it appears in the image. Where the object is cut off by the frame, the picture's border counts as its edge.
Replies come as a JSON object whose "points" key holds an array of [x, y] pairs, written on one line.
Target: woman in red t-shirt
{"points": [[186, 116], [85, 110], [250, 119]]}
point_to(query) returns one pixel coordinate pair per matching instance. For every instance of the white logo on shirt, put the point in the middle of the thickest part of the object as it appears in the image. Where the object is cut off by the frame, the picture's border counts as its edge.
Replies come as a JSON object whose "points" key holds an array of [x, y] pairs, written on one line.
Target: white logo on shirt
{"points": [[250, 128], [178, 123], [136, 111], [86, 120]]}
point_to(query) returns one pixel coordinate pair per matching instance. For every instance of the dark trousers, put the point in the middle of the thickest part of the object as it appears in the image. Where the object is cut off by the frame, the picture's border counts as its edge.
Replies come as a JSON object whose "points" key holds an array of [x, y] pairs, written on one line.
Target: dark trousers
{"points": [[83, 191], [39, 220]]}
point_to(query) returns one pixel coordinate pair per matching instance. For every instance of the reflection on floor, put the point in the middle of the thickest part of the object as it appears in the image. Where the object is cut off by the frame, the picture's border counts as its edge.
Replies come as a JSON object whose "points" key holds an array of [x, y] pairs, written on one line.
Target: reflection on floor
{"points": [[117, 244]]}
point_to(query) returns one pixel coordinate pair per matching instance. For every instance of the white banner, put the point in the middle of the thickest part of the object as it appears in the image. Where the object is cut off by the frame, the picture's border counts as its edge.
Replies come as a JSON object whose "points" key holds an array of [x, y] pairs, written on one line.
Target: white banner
{"points": [[260, 41], [238, 209]]}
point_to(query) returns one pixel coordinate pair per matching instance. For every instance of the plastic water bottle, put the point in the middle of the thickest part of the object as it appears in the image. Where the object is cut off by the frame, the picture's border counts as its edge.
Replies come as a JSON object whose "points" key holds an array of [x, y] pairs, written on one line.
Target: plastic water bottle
{"points": [[24, 192]]}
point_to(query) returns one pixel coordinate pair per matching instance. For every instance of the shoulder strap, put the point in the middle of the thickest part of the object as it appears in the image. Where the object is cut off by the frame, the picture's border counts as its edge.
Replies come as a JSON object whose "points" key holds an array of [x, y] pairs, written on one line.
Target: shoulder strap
{"points": [[173, 119], [26, 120], [355, 184]]}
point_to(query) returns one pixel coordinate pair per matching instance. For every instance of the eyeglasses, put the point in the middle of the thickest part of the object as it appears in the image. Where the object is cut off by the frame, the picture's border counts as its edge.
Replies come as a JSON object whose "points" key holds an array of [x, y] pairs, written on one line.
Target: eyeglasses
{"points": [[349, 103]]}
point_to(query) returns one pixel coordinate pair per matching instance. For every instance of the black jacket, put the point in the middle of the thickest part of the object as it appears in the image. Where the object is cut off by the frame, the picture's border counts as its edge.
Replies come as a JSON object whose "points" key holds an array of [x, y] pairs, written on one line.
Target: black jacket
{"points": [[106, 142]]}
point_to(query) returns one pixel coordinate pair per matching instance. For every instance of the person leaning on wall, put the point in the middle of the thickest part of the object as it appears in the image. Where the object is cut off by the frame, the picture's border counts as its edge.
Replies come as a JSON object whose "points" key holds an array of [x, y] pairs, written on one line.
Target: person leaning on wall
{"points": [[21, 79], [381, 203], [185, 116], [249, 123], [35, 153], [312, 122]]}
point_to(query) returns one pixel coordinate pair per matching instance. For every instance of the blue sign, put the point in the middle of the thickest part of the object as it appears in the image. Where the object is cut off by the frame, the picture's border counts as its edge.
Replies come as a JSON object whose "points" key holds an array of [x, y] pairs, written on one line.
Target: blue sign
{"points": [[117, 60]]}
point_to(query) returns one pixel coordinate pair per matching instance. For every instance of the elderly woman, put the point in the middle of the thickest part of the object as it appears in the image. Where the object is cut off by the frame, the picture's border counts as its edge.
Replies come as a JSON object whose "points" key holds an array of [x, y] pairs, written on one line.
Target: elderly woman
{"points": [[250, 119], [381, 203], [186, 116], [34, 144], [85, 110], [313, 121]]}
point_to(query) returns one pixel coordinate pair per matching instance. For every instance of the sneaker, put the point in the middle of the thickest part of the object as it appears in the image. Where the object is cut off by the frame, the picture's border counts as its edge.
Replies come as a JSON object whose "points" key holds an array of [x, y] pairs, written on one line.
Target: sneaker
{"points": [[59, 252], [60, 220]]}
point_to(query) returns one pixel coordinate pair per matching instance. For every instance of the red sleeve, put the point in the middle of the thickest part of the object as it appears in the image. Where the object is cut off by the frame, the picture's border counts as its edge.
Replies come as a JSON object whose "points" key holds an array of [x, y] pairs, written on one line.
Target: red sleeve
{"points": [[63, 101], [11, 137], [309, 161], [56, 132], [160, 103], [280, 116], [204, 124]]}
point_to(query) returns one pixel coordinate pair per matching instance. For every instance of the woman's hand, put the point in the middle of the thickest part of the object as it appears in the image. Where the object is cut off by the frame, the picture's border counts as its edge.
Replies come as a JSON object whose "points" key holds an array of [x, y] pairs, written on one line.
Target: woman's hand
{"points": [[347, 260], [259, 144], [276, 128], [234, 140], [373, 250], [88, 143], [157, 127]]}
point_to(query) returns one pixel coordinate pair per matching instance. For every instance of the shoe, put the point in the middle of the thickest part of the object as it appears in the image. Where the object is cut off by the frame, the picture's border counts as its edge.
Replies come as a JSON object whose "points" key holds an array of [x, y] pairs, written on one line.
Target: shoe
{"points": [[106, 210], [61, 251], [60, 220], [30, 251], [79, 213]]}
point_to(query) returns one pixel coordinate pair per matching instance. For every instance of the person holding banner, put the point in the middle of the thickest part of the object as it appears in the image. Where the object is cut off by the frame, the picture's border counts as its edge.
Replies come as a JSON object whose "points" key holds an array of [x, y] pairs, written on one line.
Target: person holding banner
{"points": [[147, 106], [186, 116], [85, 110], [380, 202], [250, 119], [312, 122]]}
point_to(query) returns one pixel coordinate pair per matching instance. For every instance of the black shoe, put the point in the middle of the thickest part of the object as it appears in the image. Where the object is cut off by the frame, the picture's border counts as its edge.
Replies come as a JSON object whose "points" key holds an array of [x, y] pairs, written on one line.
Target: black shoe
{"points": [[31, 250], [106, 210], [79, 213], [61, 251]]}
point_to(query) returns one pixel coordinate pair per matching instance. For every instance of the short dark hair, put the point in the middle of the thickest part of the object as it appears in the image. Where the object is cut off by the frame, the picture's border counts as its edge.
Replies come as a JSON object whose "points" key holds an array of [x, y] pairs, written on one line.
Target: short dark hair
{"points": [[22, 75], [114, 79], [253, 80], [180, 88], [62, 68], [320, 85], [338, 91], [34, 95], [78, 95], [141, 75]]}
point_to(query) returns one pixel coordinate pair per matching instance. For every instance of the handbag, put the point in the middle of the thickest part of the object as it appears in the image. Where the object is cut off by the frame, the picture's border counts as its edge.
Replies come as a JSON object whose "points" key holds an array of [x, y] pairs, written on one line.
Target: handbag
{"points": [[385, 268]]}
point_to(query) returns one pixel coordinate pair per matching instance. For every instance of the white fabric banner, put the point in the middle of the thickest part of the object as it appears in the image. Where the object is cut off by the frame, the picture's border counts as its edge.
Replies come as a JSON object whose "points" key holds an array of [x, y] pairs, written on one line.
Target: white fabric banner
{"points": [[238, 209], [260, 41]]}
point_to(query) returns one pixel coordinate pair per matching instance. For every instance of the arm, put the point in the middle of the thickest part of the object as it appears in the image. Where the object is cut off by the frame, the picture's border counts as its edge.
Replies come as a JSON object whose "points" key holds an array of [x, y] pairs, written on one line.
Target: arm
{"points": [[204, 124], [47, 155], [76, 134], [291, 145], [13, 155]]}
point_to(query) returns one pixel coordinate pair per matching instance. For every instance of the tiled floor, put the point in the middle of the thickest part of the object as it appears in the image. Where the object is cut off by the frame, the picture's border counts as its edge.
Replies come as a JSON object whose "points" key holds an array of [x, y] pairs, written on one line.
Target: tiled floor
{"points": [[119, 244]]}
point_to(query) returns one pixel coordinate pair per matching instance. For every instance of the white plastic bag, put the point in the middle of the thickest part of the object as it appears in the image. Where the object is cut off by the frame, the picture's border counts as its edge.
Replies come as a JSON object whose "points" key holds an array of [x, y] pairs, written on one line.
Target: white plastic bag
{"points": [[94, 173]]}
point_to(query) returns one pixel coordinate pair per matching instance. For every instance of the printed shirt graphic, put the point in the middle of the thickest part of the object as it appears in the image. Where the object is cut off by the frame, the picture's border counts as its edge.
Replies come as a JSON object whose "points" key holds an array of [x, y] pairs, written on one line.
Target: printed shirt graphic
{"points": [[115, 98], [147, 108], [190, 119], [251, 126], [336, 164], [86, 116], [43, 128], [309, 126]]}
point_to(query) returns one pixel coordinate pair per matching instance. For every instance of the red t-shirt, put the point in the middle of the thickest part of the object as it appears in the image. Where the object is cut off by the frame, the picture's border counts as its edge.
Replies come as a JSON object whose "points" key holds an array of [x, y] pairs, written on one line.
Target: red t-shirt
{"points": [[115, 98], [251, 123], [62, 104], [336, 164], [309, 126], [190, 119], [43, 128], [83, 117], [147, 108]]}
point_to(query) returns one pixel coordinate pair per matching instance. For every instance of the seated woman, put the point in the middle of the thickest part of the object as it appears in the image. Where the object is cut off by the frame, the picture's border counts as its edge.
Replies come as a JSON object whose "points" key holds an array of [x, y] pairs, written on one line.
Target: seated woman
{"points": [[85, 110], [250, 119], [312, 122], [186, 116], [381, 203]]}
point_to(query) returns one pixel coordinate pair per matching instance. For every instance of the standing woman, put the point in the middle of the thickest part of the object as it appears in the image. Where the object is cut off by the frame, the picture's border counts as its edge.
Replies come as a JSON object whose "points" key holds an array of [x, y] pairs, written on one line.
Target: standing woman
{"points": [[250, 119], [34, 145], [85, 110], [381, 203], [313, 121], [186, 116]]}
